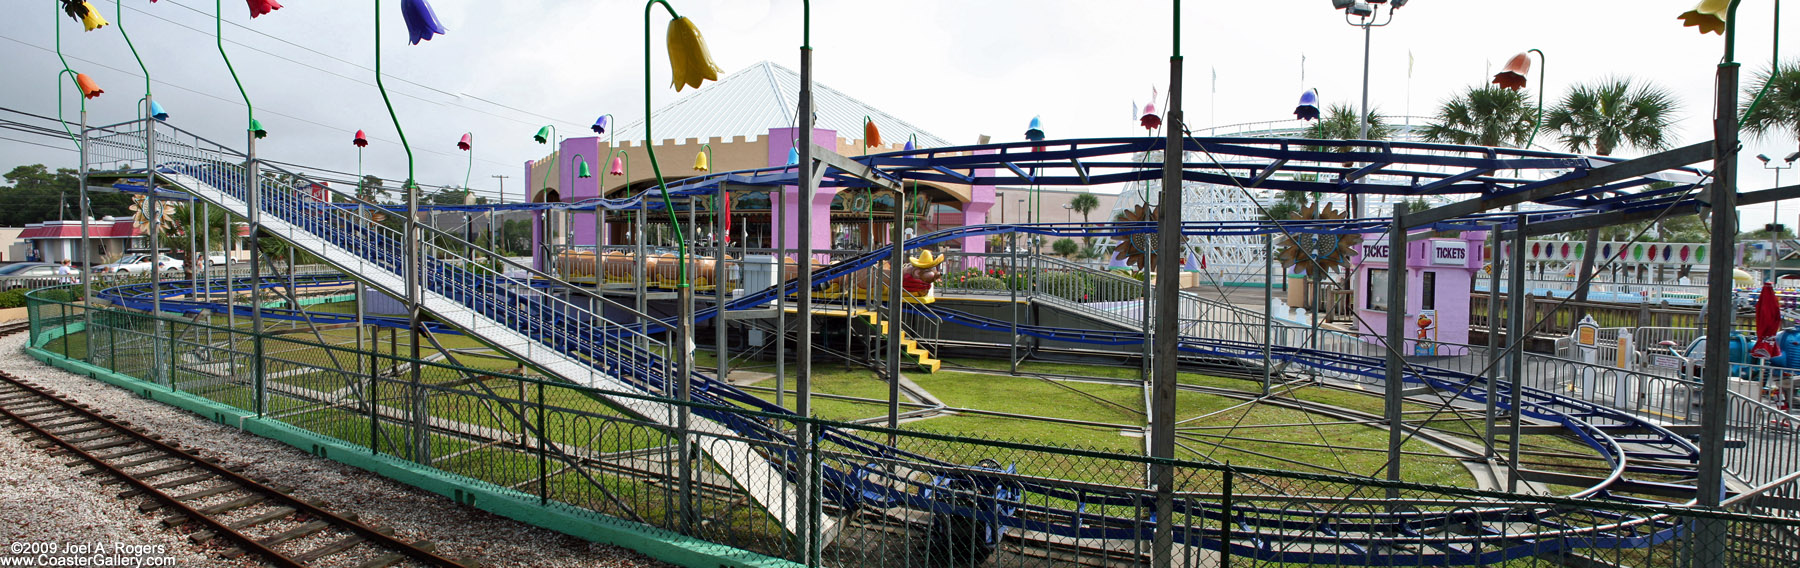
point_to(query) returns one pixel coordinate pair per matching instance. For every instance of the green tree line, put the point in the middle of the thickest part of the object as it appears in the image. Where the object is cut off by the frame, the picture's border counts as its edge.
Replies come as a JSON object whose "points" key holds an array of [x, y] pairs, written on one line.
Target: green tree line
{"points": [[34, 194]]}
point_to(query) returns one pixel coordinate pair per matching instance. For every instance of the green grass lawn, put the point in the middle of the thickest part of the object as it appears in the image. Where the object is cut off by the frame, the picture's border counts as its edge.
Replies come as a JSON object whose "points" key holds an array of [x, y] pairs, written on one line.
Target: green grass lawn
{"points": [[1271, 436]]}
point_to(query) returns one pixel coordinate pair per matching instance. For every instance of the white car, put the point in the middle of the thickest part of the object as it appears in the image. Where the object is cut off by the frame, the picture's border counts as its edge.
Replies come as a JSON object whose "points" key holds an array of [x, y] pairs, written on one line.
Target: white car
{"points": [[138, 264], [218, 259]]}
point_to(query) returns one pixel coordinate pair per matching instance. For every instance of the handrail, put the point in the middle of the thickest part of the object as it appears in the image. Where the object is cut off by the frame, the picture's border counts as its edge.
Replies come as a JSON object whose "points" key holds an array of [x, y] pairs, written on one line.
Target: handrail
{"points": [[559, 282]]}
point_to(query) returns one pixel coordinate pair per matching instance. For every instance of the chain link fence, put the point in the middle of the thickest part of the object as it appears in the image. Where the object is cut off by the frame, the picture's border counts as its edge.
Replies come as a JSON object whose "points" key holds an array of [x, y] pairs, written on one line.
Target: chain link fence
{"points": [[870, 496]]}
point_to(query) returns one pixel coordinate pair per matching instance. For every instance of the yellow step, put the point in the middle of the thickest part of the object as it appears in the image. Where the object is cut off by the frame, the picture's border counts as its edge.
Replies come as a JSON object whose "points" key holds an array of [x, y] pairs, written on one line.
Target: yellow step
{"points": [[920, 355]]}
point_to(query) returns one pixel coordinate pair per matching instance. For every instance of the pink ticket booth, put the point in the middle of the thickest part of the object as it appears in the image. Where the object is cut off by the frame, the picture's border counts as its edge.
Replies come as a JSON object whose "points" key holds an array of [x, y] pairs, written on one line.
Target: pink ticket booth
{"points": [[1439, 272]]}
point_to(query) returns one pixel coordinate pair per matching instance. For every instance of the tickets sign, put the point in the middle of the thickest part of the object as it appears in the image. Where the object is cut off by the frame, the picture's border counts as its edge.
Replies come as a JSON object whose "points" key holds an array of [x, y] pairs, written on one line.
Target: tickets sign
{"points": [[1449, 253]]}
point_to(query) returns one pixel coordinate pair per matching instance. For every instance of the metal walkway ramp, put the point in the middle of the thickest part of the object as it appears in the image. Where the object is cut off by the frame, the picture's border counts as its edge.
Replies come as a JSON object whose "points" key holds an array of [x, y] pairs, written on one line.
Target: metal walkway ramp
{"points": [[560, 338]]}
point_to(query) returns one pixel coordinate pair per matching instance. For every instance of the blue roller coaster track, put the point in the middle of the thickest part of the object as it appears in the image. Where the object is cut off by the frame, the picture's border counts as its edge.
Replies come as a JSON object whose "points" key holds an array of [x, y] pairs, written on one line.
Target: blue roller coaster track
{"points": [[1638, 452]]}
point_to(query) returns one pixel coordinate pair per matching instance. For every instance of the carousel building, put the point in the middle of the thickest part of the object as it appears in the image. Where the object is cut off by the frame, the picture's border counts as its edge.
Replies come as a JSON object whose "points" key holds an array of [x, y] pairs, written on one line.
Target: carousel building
{"points": [[744, 121]]}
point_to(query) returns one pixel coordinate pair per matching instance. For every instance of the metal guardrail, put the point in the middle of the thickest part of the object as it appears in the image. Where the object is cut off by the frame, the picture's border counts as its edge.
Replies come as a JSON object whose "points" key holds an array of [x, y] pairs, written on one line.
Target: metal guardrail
{"points": [[553, 441]]}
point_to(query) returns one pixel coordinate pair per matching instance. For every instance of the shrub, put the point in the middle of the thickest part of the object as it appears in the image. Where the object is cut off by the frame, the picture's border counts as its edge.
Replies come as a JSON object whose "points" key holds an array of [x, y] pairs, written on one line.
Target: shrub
{"points": [[1069, 286], [1065, 247], [1112, 290], [983, 283], [12, 298]]}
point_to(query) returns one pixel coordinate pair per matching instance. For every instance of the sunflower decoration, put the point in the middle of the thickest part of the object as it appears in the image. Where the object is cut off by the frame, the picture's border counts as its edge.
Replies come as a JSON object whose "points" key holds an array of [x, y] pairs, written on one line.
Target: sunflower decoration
{"points": [[1139, 249], [139, 215], [1302, 251]]}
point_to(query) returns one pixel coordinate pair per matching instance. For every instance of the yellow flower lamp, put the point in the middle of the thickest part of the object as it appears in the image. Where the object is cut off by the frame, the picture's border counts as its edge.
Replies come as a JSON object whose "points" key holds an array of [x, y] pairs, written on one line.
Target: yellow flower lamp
{"points": [[689, 61], [84, 12], [1709, 16]]}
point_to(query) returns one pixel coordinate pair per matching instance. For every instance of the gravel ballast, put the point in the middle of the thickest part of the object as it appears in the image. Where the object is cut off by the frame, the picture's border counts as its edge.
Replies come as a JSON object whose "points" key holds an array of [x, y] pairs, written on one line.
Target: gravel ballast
{"points": [[43, 500]]}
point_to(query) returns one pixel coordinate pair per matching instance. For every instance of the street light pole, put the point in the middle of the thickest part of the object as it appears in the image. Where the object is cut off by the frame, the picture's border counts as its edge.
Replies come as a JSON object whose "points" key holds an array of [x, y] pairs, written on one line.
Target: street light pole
{"points": [[1365, 15], [1774, 227]]}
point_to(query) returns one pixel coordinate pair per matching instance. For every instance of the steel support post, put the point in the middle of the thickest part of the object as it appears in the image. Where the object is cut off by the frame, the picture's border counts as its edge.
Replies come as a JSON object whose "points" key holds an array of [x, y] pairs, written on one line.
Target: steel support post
{"points": [[1493, 341], [1396, 343], [719, 288], [206, 253], [415, 320], [1168, 255], [643, 285], [1268, 312], [1515, 349], [1144, 322], [1012, 273], [684, 374], [85, 269], [895, 313], [1710, 538], [154, 215], [361, 308], [253, 187], [780, 299], [809, 525], [1314, 275]]}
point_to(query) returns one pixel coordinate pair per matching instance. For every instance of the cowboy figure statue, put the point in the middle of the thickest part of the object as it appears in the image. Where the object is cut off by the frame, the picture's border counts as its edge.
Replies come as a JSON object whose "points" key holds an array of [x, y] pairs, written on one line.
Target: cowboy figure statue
{"points": [[920, 273]]}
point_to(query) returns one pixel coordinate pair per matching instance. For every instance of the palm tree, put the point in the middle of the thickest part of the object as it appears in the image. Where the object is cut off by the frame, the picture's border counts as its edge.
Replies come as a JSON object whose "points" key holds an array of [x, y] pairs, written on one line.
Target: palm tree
{"points": [[1603, 116], [1285, 206], [1484, 116], [1611, 113], [1084, 204], [1780, 107], [1340, 123]]}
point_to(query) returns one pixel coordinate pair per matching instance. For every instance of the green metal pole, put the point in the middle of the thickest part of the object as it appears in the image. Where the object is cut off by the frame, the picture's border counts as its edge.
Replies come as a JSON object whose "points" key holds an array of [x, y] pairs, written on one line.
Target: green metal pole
{"points": [[1774, 61], [683, 288], [414, 260], [219, 36], [56, 21]]}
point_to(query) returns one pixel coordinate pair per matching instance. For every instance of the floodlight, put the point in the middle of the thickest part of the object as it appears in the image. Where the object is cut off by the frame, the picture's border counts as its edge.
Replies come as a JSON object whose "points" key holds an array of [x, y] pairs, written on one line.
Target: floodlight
{"points": [[1794, 156], [1361, 10], [1341, 4], [1763, 157]]}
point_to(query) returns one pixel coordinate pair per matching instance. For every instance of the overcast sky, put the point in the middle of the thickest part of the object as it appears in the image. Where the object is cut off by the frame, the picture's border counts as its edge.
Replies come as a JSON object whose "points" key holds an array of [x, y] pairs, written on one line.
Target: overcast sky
{"points": [[958, 69]]}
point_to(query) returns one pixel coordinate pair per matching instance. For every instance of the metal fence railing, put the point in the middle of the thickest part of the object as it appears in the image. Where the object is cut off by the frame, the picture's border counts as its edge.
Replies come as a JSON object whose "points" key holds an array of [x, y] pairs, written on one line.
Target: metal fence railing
{"points": [[938, 500]]}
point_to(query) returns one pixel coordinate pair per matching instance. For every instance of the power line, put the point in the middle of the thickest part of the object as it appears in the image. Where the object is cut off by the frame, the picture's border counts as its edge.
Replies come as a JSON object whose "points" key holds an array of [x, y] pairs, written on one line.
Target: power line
{"points": [[41, 131], [240, 104], [39, 144], [352, 64]]}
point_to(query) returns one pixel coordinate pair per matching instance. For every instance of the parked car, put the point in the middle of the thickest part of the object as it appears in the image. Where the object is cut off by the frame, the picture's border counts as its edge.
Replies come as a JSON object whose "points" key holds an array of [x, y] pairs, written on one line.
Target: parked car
{"points": [[138, 264], [218, 258], [28, 275]]}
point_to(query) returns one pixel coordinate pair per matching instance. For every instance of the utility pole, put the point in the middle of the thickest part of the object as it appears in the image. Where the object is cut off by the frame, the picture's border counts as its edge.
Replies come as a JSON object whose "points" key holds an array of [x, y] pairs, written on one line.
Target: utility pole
{"points": [[494, 221], [502, 187]]}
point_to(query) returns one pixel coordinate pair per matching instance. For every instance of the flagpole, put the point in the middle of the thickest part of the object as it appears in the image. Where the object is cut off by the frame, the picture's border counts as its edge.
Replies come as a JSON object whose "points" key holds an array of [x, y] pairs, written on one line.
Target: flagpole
{"points": [[1409, 75]]}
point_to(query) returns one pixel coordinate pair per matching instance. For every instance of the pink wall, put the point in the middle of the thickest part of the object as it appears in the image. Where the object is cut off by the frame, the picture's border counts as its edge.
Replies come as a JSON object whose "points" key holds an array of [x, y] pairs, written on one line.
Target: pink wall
{"points": [[780, 141], [573, 188], [981, 200], [1452, 286]]}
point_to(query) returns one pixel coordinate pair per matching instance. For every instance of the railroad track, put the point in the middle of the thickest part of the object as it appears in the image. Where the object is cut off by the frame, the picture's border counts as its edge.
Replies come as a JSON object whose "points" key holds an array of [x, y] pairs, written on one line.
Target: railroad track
{"points": [[220, 506]]}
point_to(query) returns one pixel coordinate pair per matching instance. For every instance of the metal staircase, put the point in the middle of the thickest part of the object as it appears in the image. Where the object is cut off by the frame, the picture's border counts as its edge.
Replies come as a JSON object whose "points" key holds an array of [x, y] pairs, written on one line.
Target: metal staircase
{"points": [[560, 338], [908, 346]]}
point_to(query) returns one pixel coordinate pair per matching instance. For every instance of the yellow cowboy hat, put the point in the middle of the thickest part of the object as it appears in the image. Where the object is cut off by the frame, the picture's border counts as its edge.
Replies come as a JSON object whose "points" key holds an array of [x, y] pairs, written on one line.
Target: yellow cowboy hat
{"points": [[926, 260]]}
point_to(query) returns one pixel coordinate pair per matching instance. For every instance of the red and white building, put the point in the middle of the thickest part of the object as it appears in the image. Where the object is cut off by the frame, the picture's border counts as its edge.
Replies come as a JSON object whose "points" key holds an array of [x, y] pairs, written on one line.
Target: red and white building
{"points": [[108, 238]]}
